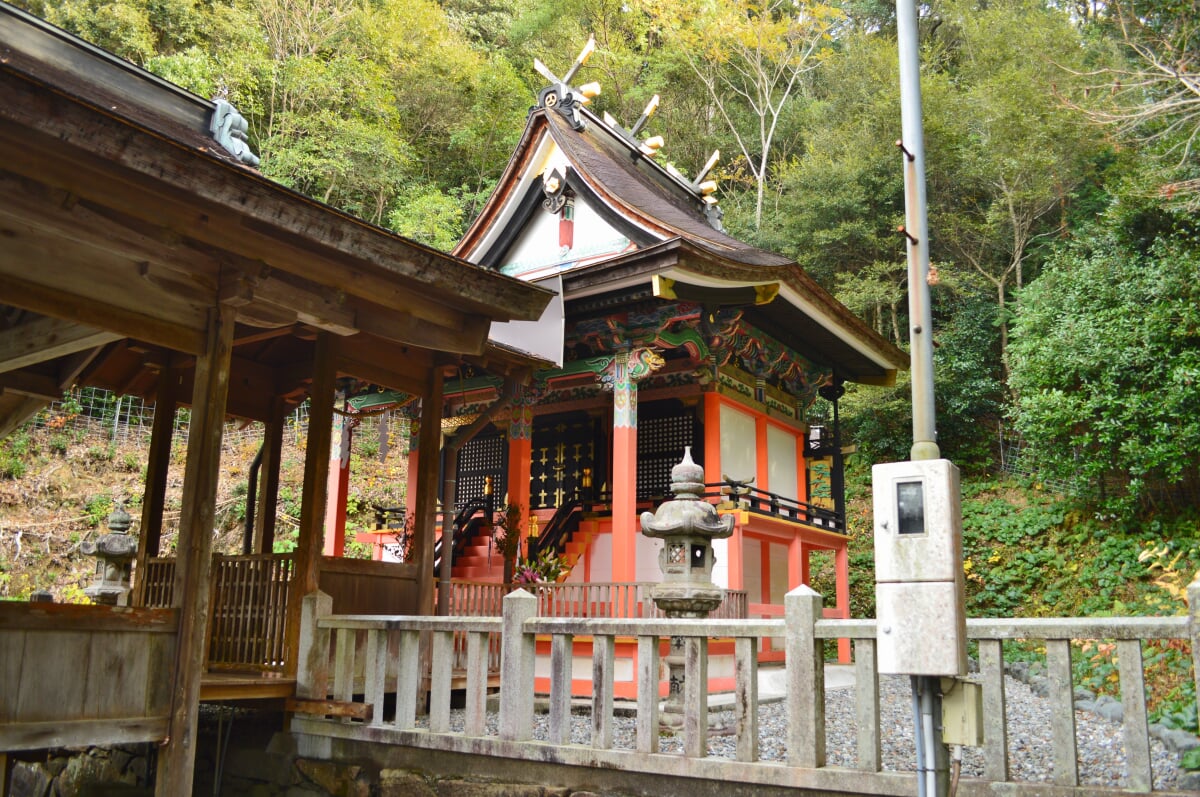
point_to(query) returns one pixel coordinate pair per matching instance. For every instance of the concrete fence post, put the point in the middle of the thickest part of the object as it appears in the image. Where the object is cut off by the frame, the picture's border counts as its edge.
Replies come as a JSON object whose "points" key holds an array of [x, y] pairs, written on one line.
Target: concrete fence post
{"points": [[517, 654], [805, 678], [312, 670]]}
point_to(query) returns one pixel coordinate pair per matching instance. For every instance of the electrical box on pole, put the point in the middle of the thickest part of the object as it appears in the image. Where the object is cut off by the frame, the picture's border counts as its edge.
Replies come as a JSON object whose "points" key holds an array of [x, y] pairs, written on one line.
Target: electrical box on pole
{"points": [[919, 596]]}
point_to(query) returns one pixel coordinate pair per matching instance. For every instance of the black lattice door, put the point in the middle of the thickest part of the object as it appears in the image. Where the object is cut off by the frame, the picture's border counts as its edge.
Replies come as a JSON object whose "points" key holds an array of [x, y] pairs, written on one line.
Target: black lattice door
{"points": [[563, 447], [484, 455], [662, 434]]}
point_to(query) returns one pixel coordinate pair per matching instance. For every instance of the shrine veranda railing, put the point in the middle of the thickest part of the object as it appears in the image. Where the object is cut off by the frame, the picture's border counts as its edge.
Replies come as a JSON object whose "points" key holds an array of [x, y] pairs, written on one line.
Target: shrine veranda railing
{"points": [[386, 645], [583, 599]]}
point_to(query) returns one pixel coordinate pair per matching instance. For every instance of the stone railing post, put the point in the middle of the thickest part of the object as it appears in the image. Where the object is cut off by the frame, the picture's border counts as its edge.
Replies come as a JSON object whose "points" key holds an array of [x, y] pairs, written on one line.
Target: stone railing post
{"points": [[1193, 596], [805, 678], [312, 672], [517, 654]]}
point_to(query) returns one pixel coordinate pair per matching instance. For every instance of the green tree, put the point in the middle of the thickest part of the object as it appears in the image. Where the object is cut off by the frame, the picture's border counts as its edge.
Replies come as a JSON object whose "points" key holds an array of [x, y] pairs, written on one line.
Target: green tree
{"points": [[750, 56], [1106, 364], [842, 197], [1152, 96], [1008, 154]]}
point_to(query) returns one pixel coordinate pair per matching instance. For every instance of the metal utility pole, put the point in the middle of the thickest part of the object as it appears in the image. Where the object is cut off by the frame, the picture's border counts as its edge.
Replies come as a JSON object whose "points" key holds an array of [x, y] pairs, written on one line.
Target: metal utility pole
{"points": [[932, 764], [916, 229]]}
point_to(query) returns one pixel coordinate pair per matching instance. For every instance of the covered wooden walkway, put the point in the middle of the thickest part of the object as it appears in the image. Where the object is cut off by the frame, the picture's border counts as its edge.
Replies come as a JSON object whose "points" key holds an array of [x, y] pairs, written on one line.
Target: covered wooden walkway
{"points": [[143, 253]]}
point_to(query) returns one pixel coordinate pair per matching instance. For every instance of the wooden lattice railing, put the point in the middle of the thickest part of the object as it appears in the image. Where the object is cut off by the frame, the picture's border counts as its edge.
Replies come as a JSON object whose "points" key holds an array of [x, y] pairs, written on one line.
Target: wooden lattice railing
{"points": [[249, 599]]}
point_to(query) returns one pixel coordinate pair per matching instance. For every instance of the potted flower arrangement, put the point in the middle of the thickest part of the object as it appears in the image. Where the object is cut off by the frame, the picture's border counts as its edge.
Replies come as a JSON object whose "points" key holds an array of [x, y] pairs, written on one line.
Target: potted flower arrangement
{"points": [[545, 568]]}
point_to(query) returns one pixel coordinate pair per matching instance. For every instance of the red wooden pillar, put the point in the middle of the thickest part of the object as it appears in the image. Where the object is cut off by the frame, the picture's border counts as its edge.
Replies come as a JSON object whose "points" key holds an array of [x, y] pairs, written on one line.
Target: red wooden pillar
{"points": [[797, 563], [734, 552], [339, 486], [520, 453], [762, 464], [842, 592], [621, 374]]}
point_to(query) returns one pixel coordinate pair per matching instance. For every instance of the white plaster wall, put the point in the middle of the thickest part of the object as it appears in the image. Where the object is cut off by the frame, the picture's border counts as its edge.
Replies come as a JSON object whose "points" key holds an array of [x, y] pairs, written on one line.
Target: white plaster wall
{"points": [[739, 452], [752, 567], [647, 558], [779, 572], [536, 251], [601, 559], [720, 574], [782, 461]]}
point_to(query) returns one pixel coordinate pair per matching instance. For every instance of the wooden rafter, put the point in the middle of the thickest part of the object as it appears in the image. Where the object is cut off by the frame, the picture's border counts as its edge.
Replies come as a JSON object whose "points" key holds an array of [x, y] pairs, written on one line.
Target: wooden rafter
{"points": [[46, 339]]}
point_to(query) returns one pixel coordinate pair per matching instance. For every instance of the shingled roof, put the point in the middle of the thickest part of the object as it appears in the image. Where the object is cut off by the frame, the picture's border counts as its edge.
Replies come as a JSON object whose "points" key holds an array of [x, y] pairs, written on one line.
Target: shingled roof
{"points": [[673, 228]]}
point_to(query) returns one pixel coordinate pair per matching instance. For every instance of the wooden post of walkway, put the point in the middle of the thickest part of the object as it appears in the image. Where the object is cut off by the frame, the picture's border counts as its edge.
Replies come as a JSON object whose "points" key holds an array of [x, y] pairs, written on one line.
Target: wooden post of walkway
{"points": [[157, 466], [312, 501], [268, 491], [193, 562], [429, 443], [425, 506]]}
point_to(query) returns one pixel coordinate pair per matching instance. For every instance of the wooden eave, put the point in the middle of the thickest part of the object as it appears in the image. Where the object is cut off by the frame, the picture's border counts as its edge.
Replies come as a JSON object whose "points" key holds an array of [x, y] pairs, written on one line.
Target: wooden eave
{"points": [[150, 137], [122, 225], [804, 316]]}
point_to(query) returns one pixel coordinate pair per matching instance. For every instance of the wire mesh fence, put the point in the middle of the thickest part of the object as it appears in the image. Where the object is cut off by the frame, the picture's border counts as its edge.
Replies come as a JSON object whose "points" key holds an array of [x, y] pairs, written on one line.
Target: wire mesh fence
{"points": [[103, 416], [1016, 459]]}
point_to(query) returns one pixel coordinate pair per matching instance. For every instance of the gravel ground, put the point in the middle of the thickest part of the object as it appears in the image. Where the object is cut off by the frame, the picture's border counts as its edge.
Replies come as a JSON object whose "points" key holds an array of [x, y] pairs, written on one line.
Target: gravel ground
{"points": [[1099, 741]]}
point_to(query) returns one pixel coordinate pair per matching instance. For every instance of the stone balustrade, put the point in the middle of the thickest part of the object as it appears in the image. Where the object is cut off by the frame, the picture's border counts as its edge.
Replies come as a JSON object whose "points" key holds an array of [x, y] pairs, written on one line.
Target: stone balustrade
{"points": [[345, 708]]}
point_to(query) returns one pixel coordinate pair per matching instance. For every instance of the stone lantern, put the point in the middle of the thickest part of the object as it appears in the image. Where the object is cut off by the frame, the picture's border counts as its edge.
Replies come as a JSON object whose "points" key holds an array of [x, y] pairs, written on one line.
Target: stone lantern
{"points": [[687, 526], [114, 554]]}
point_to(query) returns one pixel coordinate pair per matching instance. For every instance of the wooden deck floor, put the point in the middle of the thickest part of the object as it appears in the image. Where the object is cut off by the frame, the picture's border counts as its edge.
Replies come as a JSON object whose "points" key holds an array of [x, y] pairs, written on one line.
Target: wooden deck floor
{"points": [[223, 685]]}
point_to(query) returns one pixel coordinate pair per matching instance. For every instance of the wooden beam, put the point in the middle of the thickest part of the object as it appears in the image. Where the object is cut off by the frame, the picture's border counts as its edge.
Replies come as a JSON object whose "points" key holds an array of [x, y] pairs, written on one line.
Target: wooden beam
{"points": [[67, 216], [312, 500], [330, 708], [11, 420], [470, 338], [58, 139], [82, 617], [272, 224], [183, 333], [379, 374], [429, 443], [405, 368], [315, 305], [193, 560], [32, 384], [46, 339]]}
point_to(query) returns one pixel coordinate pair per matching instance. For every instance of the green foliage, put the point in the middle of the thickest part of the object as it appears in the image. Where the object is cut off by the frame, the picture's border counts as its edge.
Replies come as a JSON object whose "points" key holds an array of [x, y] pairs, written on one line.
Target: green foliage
{"points": [[98, 508], [1106, 362], [968, 388], [428, 216], [12, 466]]}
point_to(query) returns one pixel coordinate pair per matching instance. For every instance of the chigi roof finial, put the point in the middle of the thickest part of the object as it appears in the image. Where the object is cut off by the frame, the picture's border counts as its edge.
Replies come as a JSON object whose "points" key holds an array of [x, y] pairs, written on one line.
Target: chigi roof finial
{"points": [[567, 100], [560, 95]]}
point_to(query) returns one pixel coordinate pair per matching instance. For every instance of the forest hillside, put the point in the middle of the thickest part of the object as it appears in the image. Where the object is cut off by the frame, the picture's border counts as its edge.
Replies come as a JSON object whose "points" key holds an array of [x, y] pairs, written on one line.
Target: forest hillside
{"points": [[1064, 186]]}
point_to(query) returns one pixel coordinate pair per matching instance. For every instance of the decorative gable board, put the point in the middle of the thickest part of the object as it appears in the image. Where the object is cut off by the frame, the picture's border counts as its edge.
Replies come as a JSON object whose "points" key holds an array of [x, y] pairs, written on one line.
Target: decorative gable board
{"points": [[536, 252]]}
